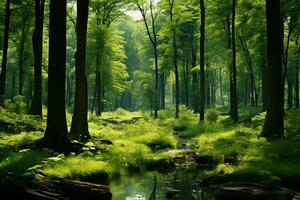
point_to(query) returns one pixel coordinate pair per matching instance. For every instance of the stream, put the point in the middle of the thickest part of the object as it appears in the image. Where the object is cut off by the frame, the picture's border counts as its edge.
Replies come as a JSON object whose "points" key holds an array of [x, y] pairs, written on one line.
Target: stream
{"points": [[172, 186]]}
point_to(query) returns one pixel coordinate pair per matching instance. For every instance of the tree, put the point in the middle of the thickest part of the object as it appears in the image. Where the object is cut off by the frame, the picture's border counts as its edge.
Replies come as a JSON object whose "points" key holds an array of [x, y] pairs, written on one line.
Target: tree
{"points": [[202, 57], [4, 54], [56, 131], [79, 127], [37, 43], [152, 34], [233, 81], [273, 126]]}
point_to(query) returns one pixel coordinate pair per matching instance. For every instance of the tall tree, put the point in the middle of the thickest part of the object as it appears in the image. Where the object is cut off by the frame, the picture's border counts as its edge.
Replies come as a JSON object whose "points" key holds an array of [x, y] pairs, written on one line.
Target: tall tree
{"points": [[152, 34], [202, 58], [4, 54], [171, 4], [37, 43], [233, 81], [56, 131], [79, 127], [273, 126]]}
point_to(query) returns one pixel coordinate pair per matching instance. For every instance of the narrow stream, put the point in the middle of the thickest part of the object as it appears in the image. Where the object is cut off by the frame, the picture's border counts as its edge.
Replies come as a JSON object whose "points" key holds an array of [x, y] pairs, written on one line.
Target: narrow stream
{"points": [[173, 186]]}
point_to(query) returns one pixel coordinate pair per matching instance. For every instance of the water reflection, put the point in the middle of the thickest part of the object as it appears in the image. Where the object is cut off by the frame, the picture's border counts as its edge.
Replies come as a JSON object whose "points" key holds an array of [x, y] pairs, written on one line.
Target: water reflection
{"points": [[175, 186]]}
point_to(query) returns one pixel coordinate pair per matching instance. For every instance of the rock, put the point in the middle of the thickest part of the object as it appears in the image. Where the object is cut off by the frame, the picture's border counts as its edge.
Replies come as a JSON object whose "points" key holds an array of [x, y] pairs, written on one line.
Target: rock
{"points": [[247, 191], [161, 165], [89, 144], [212, 180], [54, 159], [97, 178], [107, 142], [207, 161], [24, 150]]}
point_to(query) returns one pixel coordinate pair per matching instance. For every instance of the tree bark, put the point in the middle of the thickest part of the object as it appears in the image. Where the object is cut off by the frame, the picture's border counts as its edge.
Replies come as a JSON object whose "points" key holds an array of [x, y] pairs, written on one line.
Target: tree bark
{"points": [[4, 54], [297, 74], [79, 127], [202, 58], [233, 81], [56, 131], [273, 126], [37, 43], [21, 57], [195, 92], [162, 90]]}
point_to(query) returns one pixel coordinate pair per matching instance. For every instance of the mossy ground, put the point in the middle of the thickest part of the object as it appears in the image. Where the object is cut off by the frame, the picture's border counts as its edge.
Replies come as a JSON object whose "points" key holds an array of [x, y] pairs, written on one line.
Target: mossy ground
{"points": [[137, 142]]}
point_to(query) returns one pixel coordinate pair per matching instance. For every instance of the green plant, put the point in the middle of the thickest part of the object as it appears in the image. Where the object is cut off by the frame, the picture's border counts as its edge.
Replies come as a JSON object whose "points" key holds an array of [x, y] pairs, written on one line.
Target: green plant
{"points": [[212, 116]]}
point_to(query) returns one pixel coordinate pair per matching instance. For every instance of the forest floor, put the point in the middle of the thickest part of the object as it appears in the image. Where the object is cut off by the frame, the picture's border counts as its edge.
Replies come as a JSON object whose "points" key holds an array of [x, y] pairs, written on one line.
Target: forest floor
{"points": [[125, 142]]}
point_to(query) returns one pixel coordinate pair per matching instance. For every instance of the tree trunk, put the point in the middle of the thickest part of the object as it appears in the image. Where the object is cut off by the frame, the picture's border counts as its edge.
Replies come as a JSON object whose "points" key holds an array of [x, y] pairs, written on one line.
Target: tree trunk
{"points": [[187, 84], [177, 96], [79, 127], [37, 43], [21, 57], [195, 92], [162, 90], [156, 74], [56, 130], [13, 91], [297, 75], [290, 94], [233, 82], [221, 87], [264, 84], [98, 88], [273, 126], [4, 53], [202, 57]]}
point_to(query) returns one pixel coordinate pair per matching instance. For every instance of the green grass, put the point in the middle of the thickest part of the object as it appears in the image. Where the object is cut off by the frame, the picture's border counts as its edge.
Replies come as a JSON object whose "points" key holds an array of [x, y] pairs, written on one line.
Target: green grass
{"points": [[143, 143], [76, 167], [255, 154]]}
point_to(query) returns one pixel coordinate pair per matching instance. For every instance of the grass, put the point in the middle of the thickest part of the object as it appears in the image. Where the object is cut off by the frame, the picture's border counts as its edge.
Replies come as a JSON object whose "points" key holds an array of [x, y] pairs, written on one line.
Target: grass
{"points": [[140, 143], [279, 160]]}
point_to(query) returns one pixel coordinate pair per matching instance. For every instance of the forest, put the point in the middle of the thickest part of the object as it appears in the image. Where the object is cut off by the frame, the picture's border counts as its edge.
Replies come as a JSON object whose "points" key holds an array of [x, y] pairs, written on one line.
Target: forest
{"points": [[150, 99]]}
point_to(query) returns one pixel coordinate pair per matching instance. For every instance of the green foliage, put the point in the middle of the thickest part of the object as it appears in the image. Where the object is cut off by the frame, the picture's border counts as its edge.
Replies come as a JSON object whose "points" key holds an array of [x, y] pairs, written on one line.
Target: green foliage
{"points": [[76, 168], [212, 116], [17, 105]]}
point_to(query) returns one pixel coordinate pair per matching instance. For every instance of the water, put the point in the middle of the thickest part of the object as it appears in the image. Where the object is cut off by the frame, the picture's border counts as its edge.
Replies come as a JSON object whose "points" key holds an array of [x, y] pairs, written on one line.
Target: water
{"points": [[173, 186]]}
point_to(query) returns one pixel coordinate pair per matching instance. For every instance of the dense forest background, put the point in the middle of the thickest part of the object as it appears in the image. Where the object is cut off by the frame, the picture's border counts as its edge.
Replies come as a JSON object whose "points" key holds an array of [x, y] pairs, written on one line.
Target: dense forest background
{"points": [[188, 65]]}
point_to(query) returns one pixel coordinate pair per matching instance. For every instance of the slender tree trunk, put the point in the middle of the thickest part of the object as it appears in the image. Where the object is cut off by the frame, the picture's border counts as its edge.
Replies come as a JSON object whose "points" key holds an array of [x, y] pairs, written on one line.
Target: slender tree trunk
{"points": [[187, 84], [4, 53], [195, 101], [221, 87], [202, 58], [99, 93], [273, 126], [37, 43], [264, 84], [56, 130], [233, 81], [13, 91], [290, 94], [79, 127], [177, 95], [156, 74], [163, 91], [297, 88], [21, 58], [297, 75]]}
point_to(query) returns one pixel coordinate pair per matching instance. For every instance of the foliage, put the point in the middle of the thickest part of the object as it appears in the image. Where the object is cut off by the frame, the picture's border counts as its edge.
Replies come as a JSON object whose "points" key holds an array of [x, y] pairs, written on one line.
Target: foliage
{"points": [[212, 115]]}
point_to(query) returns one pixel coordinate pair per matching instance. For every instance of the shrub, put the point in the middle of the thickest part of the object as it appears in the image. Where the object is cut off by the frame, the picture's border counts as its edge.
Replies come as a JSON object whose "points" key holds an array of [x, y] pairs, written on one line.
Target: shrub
{"points": [[17, 105], [212, 116]]}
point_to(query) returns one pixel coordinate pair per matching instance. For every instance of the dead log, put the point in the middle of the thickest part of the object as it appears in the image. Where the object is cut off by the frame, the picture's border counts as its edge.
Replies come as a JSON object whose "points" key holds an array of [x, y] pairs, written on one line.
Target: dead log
{"points": [[41, 187]]}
